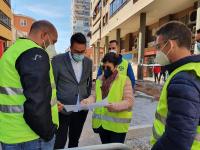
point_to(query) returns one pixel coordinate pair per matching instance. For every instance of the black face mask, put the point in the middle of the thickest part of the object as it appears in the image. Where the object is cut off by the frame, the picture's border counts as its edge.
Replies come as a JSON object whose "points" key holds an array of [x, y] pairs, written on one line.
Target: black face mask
{"points": [[107, 72]]}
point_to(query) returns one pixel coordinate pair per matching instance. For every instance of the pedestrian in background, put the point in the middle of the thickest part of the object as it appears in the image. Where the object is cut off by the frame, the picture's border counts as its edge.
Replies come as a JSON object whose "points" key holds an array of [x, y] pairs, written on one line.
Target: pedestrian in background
{"points": [[28, 108], [112, 122], [73, 77], [176, 125], [124, 67], [156, 72], [162, 73]]}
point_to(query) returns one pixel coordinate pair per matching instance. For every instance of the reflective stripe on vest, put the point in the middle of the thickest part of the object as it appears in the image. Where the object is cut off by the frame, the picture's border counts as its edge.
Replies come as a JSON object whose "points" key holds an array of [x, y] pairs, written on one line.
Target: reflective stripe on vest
{"points": [[12, 109], [163, 120], [112, 119], [11, 91], [16, 91], [19, 108]]}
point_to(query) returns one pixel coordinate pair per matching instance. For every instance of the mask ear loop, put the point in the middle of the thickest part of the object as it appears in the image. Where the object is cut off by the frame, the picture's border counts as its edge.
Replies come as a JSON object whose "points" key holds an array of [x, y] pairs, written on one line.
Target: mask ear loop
{"points": [[44, 44], [169, 50], [49, 39]]}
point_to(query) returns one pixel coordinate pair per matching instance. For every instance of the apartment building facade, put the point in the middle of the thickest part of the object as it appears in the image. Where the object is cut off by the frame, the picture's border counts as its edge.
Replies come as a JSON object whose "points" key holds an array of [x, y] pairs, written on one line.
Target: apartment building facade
{"points": [[21, 25], [133, 24], [5, 25], [81, 17]]}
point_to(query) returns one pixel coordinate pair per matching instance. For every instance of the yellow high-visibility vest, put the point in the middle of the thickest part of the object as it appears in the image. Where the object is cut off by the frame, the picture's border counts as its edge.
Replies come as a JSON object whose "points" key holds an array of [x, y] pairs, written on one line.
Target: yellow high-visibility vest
{"points": [[118, 122], [162, 108], [13, 128]]}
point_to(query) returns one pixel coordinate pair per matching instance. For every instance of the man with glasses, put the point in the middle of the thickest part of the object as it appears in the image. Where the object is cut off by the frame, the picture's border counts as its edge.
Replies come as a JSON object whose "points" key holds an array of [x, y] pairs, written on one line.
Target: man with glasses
{"points": [[73, 77], [177, 118]]}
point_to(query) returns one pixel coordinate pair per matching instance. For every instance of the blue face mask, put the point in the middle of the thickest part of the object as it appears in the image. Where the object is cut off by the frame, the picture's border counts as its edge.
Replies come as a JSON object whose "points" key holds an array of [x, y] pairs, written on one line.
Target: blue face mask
{"points": [[198, 46], [78, 57]]}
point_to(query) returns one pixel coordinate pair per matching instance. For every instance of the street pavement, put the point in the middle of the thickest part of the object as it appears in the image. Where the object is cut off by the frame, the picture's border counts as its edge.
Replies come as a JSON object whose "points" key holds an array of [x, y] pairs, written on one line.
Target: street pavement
{"points": [[143, 114]]}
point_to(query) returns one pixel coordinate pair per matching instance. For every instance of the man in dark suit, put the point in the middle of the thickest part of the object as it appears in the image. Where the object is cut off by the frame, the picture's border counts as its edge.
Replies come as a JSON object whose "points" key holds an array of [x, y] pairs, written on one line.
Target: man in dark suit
{"points": [[73, 77]]}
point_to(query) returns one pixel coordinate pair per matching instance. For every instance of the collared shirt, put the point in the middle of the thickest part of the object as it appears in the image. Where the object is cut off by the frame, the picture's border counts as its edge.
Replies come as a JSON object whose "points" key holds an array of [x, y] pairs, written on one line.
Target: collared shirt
{"points": [[78, 69]]}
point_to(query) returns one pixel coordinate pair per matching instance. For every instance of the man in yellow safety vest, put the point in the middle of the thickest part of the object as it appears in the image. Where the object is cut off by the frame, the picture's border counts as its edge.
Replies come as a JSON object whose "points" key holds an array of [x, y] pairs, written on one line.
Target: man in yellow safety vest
{"points": [[177, 118], [28, 107]]}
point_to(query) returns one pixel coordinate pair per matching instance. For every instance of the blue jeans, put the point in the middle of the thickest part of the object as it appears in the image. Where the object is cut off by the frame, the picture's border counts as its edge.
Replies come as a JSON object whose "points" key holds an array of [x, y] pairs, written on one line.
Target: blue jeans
{"points": [[38, 144]]}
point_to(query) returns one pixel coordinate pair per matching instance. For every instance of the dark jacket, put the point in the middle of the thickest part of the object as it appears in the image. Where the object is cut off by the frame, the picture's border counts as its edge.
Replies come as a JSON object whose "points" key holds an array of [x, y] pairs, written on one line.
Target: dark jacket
{"points": [[183, 108], [33, 68], [67, 85], [130, 72]]}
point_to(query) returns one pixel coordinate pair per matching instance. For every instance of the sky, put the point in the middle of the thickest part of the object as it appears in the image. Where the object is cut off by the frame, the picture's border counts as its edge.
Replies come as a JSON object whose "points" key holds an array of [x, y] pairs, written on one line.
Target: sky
{"points": [[56, 11]]}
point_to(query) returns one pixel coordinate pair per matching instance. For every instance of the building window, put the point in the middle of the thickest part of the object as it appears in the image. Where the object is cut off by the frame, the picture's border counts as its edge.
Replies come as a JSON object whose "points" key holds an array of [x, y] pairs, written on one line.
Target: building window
{"points": [[7, 2], [23, 22], [5, 20], [116, 5], [105, 19], [97, 10]]}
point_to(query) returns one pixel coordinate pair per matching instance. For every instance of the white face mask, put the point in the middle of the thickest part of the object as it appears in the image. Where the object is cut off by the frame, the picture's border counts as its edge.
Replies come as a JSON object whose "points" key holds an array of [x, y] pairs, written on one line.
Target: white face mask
{"points": [[113, 51], [198, 46], [51, 50], [161, 57]]}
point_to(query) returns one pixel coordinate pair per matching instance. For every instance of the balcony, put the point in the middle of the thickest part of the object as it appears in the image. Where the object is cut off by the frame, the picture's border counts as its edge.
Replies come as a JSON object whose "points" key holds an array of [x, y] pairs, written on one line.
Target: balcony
{"points": [[5, 20], [116, 5]]}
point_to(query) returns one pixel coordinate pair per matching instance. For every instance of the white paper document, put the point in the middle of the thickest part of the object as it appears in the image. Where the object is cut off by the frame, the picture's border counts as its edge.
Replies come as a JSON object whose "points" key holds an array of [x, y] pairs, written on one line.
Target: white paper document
{"points": [[76, 108]]}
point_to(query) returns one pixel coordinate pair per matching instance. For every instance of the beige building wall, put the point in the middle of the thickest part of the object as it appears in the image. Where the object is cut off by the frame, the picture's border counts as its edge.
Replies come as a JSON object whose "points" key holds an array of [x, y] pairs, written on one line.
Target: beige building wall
{"points": [[4, 31], [127, 18]]}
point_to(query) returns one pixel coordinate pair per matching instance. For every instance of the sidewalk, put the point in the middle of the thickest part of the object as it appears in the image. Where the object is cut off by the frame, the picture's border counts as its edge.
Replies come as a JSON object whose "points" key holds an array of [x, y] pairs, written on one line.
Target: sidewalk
{"points": [[143, 114]]}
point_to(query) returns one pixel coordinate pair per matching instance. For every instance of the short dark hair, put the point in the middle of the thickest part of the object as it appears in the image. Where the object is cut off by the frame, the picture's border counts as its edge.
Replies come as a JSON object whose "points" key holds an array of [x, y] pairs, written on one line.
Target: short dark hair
{"points": [[114, 41], [78, 38], [178, 31], [111, 58]]}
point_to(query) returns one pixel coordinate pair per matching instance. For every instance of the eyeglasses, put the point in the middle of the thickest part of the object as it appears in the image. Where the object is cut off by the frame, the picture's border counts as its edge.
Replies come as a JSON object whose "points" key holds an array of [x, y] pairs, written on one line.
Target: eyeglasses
{"points": [[159, 45]]}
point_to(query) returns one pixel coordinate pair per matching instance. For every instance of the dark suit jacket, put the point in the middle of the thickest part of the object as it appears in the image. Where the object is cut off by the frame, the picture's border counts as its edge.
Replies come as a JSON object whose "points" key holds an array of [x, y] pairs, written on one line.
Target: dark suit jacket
{"points": [[66, 84]]}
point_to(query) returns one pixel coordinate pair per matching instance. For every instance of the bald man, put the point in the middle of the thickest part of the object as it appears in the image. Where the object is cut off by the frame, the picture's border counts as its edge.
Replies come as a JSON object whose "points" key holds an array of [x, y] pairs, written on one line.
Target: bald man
{"points": [[28, 109]]}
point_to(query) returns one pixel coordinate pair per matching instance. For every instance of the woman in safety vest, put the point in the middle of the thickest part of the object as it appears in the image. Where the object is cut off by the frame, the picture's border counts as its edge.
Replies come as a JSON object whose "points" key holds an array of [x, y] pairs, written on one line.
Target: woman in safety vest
{"points": [[112, 121]]}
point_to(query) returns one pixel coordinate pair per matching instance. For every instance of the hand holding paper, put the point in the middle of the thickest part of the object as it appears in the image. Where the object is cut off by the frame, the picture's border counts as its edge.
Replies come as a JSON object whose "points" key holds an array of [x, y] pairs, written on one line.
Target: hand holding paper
{"points": [[84, 106]]}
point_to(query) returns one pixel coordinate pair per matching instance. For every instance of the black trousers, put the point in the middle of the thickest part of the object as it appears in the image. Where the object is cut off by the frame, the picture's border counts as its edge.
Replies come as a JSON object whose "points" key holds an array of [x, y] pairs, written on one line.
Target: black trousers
{"points": [[156, 77], [71, 126], [111, 137]]}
